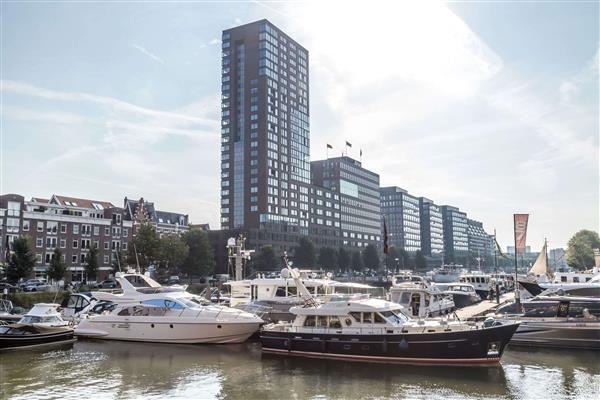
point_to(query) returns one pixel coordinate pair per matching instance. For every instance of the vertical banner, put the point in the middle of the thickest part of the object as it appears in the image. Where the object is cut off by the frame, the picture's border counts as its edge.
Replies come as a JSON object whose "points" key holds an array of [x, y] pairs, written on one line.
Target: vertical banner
{"points": [[520, 232]]}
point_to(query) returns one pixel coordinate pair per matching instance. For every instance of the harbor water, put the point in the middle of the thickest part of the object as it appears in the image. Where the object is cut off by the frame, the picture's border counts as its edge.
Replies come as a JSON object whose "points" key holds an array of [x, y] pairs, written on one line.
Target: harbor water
{"points": [[115, 370]]}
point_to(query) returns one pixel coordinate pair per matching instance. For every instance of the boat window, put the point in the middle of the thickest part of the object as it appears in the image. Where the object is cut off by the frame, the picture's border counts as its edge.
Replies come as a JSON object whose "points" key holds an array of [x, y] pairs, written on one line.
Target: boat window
{"points": [[575, 279], [563, 278], [125, 312], [334, 322], [356, 316], [405, 298], [379, 319], [310, 320], [321, 289], [280, 291], [173, 304], [427, 301], [137, 281], [30, 319], [292, 291], [72, 301], [393, 317], [322, 322], [367, 318], [588, 279]]}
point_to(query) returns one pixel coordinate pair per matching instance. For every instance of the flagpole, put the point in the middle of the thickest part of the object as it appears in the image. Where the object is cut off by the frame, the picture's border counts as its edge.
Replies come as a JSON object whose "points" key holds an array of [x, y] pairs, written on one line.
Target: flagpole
{"points": [[517, 294], [495, 253]]}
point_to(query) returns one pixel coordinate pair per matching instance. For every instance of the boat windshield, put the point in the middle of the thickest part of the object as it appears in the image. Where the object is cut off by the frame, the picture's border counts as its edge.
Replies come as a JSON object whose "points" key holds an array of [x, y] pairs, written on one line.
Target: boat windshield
{"points": [[32, 319], [395, 317]]}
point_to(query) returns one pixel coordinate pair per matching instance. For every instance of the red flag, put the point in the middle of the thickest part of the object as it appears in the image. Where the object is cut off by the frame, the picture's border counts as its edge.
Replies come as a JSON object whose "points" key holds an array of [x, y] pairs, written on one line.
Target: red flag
{"points": [[385, 238], [520, 221]]}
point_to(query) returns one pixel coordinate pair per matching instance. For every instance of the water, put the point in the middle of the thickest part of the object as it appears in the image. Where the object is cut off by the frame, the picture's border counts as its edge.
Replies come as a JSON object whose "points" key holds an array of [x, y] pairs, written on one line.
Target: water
{"points": [[115, 370]]}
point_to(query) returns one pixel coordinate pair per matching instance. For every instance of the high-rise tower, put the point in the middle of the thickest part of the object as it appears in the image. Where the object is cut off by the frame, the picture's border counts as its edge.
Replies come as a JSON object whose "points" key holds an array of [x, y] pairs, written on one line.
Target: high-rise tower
{"points": [[265, 159]]}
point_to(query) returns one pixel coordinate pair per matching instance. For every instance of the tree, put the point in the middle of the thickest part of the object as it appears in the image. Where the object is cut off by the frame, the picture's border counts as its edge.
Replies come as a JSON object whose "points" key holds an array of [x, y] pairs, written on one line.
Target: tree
{"points": [[200, 260], [580, 249], [343, 259], [371, 258], [266, 260], [57, 268], [91, 264], [172, 253], [304, 254], [357, 264], [22, 260], [420, 261], [327, 258], [147, 245]]}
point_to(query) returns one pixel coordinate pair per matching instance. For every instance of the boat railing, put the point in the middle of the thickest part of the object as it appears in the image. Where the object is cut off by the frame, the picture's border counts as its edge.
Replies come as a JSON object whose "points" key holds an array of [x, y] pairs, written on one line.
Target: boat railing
{"points": [[370, 331]]}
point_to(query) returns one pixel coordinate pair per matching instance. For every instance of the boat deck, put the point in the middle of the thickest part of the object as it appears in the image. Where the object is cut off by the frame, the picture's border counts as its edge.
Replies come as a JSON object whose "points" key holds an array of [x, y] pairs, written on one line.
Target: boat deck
{"points": [[483, 307]]}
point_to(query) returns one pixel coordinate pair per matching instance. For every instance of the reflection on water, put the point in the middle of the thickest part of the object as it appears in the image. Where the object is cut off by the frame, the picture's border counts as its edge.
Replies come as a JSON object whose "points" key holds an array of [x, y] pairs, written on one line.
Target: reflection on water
{"points": [[101, 369]]}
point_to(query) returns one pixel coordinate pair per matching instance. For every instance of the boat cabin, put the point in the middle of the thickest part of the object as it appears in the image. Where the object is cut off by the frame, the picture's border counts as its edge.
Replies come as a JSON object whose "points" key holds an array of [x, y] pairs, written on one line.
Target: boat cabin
{"points": [[43, 314], [422, 301]]}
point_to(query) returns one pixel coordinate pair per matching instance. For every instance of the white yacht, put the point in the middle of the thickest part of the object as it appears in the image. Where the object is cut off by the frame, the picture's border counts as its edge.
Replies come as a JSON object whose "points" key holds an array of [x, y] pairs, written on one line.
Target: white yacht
{"points": [[273, 297], [480, 281], [421, 300], [170, 320], [149, 312], [447, 273]]}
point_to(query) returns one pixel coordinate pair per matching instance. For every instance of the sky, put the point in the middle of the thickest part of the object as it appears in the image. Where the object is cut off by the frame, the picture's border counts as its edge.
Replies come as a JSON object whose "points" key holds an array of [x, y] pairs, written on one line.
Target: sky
{"points": [[489, 106]]}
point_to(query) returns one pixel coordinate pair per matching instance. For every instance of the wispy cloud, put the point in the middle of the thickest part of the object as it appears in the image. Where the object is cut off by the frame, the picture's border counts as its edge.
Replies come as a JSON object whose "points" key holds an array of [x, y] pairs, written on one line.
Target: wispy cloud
{"points": [[148, 53]]}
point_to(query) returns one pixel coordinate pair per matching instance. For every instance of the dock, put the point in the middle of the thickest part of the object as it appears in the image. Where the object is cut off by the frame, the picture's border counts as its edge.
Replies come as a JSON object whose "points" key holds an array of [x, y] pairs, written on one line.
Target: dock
{"points": [[483, 307]]}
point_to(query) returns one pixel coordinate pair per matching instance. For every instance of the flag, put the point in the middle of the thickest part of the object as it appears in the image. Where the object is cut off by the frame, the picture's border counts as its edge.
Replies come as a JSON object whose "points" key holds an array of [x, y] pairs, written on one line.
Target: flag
{"points": [[7, 251], [499, 249], [385, 238], [520, 223], [348, 144], [329, 146]]}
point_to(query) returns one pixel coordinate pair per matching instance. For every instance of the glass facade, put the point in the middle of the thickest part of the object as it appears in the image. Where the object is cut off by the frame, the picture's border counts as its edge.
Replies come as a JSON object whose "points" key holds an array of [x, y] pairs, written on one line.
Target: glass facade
{"points": [[402, 215], [456, 238], [432, 231]]}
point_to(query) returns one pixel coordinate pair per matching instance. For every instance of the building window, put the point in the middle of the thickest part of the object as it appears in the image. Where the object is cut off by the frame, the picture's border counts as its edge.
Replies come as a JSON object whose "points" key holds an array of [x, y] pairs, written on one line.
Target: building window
{"points": [[63, 243], [124, 246], [105, 259], [63, 228], [106, 245], [38, 258], [125, 232], [96, 244], [76, 229], [107, 231], [39, 242], [74, 258], [40, 226], [25, 224], [75, 244], [52, 227], [96, 230]]}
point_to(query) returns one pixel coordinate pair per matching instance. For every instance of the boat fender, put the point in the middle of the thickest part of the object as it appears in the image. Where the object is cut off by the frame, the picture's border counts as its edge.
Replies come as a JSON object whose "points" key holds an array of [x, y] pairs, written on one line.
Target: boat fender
{"points": [[287, 343]]}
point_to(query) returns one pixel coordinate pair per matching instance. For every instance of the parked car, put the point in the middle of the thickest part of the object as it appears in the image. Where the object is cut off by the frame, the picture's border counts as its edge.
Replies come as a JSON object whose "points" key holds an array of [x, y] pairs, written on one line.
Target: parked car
{"points": [[10, 288], [36, 287], [30, 282], [173, 280], [107, 284]]}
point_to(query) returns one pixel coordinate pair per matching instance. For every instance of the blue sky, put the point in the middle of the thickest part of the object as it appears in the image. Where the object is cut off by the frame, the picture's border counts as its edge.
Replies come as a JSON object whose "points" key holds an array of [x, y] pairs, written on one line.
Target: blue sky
{"points": [[489, 106]]}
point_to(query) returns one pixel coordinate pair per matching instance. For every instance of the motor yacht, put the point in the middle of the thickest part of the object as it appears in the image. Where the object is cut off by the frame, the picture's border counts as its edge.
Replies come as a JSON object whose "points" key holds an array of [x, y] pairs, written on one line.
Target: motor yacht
{"points": [[446, 273], [170, 320], [41, 326], [463, 294], [482, 282], [381, 331], [556, 319], [273, 297], [421, 300]]}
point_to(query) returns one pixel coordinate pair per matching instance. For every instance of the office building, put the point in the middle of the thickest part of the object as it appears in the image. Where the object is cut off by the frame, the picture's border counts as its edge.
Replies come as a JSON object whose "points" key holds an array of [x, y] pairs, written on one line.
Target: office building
{"points": [[432, 229], [456, 238], [358, 190], [265, 157], [481, 244], [402, 216]]}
